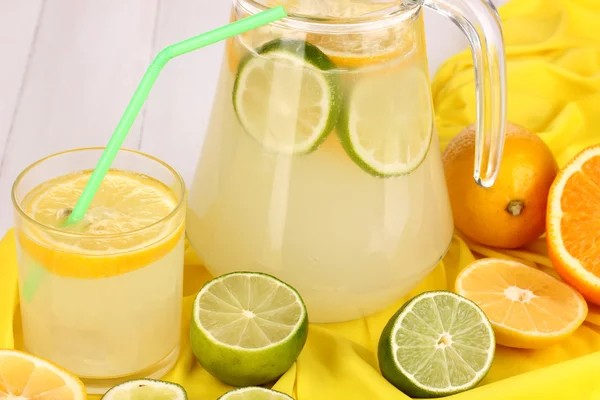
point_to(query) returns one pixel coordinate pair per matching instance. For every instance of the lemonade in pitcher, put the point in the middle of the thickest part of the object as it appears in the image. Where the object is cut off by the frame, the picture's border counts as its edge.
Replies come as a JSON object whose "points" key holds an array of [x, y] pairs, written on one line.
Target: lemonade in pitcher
{"points": [[101, 298], [321, 165]]}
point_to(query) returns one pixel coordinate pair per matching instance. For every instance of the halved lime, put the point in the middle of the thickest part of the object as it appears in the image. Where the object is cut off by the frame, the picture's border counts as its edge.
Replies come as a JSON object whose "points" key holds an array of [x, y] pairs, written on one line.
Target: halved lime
{"points": [[386, 125], [248, 328], [437, 344], [146, 389], [254, 393], [286, 97]]}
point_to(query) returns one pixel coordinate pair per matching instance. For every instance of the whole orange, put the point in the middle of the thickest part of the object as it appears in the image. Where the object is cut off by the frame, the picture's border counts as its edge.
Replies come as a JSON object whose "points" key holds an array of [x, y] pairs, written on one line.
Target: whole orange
{"points": [[512, 212]]}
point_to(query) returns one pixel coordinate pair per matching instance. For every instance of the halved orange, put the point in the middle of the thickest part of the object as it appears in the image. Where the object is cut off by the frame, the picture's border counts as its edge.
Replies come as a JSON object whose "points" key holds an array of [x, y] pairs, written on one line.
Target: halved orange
{"points": [[573, 223], [23, 376], [527, 308]]}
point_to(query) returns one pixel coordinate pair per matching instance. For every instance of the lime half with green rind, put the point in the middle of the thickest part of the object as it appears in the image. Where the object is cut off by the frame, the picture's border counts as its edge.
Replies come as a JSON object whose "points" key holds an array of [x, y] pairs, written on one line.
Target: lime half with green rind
{"points": [[255, 393], [146, 389], [248, 328], [287, 97], [439, 343]]}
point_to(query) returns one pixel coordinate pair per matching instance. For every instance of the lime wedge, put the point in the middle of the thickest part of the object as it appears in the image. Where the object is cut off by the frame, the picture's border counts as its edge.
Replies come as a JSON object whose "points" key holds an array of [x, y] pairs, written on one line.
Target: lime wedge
{"points": [[248, 328], [146, 389], [437, 344], [255, 393], [386, 125], [285, 98]]}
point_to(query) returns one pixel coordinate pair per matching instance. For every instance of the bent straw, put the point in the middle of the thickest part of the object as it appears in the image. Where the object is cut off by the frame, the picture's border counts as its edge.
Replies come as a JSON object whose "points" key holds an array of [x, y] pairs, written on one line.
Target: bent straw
{"points": [[143, 89], [137, 101]]}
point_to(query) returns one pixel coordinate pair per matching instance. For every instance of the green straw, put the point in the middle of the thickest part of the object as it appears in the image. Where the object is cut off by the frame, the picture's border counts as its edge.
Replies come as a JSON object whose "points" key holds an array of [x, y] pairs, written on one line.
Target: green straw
{"points": [[143, 89], [135, 105]]}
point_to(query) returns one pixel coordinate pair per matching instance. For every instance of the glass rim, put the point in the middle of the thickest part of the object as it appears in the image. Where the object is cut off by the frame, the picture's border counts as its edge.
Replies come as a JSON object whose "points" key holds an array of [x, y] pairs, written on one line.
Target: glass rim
{"points": [[57, 231], [378, 19]]}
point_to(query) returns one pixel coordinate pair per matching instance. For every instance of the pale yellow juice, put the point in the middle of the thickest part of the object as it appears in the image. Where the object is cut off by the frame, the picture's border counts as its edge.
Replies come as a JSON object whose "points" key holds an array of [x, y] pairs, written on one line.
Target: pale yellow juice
{"points": [[349, 241], [108, 302]]}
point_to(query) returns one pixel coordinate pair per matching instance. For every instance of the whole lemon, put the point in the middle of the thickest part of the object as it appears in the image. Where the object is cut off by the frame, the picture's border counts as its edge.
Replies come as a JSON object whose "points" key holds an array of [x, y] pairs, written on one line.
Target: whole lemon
{"points": [[512, 212]]}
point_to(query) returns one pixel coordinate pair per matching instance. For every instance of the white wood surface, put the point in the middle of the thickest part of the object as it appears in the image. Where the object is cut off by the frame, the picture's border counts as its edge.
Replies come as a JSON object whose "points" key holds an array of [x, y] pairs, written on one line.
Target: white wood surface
{"points": [[69, 67]]}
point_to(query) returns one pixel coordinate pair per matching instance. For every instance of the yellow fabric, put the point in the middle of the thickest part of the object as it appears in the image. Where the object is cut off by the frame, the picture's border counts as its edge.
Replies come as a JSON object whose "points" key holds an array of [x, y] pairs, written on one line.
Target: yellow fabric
{"points": [[553, 49]]}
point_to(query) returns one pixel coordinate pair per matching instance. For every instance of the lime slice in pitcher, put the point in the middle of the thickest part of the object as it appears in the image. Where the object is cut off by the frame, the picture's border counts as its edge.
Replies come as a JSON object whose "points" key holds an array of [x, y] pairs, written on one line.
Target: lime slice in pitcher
{"points": [[254, 393], [285, 98], [387, 122], [146, 389], [248, 328], [437, 344]]}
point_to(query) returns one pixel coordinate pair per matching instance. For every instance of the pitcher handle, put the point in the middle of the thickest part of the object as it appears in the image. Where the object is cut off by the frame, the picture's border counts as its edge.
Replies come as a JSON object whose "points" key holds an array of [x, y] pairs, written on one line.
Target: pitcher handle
{"points": [[480, 22]]}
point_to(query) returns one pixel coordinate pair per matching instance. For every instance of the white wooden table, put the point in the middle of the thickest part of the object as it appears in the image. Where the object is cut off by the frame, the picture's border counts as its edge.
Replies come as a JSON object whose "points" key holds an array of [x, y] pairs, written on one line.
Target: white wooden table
{"points": [[69, 67]]}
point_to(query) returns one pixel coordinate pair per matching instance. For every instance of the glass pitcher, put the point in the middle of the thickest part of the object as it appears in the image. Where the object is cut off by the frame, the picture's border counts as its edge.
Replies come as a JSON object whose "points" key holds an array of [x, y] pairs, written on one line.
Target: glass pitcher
{"points": [[321, 164]]}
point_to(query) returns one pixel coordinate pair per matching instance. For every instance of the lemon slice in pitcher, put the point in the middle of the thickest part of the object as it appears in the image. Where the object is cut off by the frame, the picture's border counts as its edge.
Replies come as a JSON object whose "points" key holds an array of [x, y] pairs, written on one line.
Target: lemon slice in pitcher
{"points": [[387, 122], [285, 98]]}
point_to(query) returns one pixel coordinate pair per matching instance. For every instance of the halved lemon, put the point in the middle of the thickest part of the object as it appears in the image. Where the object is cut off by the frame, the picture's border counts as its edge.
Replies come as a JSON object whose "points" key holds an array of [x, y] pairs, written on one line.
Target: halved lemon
{"points": [[573, 223], [125, 202], [24, 376], [527, 308]]}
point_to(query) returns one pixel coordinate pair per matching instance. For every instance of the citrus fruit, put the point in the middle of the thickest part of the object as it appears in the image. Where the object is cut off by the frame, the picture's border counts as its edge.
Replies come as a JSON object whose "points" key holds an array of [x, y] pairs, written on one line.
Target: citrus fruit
{"points": [[383, 129], [125, 202], [254, 393], [437, 344], [24, 376], [511, 213], [528, 308], [573, 223], [248, 328], [348, 50], [285, 98], [146, 389]]}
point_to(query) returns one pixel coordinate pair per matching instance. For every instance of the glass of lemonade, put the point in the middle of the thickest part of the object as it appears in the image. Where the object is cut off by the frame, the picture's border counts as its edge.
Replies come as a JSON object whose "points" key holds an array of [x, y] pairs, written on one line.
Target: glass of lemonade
{"points": [[101, 298], [321, 163]]}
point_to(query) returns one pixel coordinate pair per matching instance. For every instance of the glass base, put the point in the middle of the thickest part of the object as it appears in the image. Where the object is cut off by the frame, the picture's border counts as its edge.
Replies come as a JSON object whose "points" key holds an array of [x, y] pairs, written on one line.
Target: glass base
{"points": [[156, 371]]}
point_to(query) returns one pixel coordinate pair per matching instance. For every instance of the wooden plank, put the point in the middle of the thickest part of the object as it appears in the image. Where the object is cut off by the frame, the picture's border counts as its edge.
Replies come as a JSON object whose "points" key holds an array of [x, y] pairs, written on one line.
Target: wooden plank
{"points": [[180, 102], [18, 22], [88, 58]]}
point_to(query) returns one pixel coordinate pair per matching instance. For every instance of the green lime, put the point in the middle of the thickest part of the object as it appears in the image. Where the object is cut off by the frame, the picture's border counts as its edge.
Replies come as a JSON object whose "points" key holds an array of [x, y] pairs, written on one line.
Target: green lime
{"points": [[437, 344], [248, 328], [286, 97], [386, 125], [254, 393], [146, 389]]}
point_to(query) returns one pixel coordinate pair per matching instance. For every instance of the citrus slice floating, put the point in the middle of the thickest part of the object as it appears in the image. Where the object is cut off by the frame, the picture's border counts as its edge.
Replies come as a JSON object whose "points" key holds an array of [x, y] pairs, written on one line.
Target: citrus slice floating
{"points": [[528, 308], [437, 344], [573, 223], [146, 389], [24, 376], [254, 393], [125, 202], [248, 328], [285, 98], [387, 122]]}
